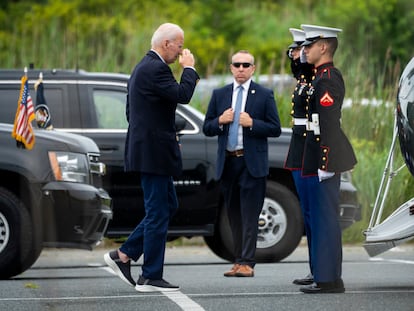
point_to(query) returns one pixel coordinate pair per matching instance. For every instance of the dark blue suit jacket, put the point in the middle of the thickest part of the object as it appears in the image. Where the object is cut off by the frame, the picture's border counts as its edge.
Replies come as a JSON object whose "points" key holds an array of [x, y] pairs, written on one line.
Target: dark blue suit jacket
{"points": [[261, 106], [153, 94]]}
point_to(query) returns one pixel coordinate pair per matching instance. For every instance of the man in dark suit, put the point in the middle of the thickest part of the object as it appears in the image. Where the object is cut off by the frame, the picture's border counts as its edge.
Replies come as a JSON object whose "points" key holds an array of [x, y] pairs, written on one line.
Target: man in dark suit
{"points": [[152, 149], [243, 115]]}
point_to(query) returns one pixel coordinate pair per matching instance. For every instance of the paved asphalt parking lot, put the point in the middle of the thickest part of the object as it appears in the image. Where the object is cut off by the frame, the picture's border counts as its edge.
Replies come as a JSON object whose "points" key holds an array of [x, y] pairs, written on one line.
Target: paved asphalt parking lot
{"points": [[65, 279]]}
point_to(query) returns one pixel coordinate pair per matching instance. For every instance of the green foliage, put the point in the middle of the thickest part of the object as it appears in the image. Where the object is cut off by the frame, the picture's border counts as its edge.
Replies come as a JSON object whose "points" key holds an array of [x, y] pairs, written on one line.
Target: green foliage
{"points": [[367, 177], [112, 35]]}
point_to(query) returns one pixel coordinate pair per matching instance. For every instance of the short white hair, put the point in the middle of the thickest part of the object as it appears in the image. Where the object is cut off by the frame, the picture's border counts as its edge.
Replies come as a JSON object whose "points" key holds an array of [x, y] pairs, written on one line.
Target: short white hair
{"points": [[167, 31]]}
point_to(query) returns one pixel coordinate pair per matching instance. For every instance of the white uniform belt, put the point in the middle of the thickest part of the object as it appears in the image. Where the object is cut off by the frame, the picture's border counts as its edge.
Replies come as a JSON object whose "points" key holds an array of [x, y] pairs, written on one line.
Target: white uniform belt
{"points": [[300, 121]]}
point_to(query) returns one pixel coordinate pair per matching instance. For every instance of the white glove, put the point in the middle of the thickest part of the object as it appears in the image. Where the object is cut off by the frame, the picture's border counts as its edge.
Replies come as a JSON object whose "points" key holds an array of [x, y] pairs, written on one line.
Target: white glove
{"points": [[289, 54], [324, 175], [303, 56]]}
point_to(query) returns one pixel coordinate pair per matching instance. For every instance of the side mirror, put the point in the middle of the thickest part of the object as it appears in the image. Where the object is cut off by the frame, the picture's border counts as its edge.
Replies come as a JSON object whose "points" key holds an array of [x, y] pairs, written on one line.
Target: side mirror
{"points": [[180, 123]]}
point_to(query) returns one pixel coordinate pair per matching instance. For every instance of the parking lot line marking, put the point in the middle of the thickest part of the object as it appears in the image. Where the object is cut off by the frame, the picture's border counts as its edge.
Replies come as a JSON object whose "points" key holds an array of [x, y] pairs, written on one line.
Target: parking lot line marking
{"points": [[183, 301], [409, 262], [195, 306]]}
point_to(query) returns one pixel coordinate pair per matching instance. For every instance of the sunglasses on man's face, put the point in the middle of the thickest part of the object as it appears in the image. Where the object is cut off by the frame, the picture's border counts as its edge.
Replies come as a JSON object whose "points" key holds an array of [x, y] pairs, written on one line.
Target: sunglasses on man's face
{"points": [[245, 65]]}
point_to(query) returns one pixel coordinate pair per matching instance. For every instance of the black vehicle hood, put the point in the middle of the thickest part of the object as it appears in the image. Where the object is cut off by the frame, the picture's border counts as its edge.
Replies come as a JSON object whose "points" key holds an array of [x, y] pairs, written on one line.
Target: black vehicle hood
{"points": [[60, 140]]}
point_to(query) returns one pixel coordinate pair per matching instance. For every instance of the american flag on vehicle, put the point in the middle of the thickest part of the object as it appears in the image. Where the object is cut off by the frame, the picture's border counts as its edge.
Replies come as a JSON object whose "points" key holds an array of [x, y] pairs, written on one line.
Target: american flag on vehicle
{"points": [[23, 130]]}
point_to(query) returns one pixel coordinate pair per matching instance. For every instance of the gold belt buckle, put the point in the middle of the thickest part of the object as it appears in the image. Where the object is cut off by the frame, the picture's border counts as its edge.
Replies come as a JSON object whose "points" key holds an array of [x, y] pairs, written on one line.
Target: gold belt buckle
{"points": [[238, 153]]}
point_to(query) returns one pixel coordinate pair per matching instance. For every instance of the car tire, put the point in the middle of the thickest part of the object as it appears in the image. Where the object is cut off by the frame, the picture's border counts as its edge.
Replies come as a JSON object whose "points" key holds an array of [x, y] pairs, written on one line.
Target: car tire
{"points": [[280, 227], [216, 243], [18, 246], [280, 224]]}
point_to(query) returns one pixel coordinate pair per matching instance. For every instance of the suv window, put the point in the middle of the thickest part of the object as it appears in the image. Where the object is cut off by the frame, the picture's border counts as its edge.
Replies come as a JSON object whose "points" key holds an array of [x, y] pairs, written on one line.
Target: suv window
{"points": [[110, 109], [10, 97]]}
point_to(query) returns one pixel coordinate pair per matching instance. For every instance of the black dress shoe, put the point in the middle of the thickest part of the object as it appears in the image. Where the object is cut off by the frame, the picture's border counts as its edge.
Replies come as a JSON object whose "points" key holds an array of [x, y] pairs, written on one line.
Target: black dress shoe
{"points": [[324, 288], [307, 280]]}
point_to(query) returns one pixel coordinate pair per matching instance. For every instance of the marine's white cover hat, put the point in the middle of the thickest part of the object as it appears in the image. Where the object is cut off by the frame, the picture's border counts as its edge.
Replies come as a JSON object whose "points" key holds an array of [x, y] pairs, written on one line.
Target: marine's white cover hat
{"points": [[298, 37], [314, 33]]}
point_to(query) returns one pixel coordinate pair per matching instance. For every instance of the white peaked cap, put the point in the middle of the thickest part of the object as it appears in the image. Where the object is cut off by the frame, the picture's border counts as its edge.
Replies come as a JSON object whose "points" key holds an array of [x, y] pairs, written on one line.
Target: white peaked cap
{"points": [[313, 33], [298, 37], [297, 34]]}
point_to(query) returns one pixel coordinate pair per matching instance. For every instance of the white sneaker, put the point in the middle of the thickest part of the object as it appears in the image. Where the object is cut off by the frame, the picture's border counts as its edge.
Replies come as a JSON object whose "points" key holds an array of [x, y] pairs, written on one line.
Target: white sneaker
{"points": [[146, 285]]}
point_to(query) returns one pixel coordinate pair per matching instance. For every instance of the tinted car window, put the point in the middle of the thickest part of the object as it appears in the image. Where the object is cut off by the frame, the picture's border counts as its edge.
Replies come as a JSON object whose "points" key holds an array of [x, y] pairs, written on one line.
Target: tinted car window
{"points": [[9, 100], [53, 96], [110, 109]]}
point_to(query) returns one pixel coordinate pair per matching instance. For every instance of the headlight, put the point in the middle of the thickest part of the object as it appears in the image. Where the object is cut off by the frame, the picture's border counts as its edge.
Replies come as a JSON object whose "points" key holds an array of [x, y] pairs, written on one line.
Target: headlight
{"points": [[68, 166]]}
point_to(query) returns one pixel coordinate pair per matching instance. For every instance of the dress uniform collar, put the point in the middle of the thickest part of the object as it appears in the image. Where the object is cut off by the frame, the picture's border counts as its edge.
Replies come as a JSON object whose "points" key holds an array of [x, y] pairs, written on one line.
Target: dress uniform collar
{"points": [[323, 67]]}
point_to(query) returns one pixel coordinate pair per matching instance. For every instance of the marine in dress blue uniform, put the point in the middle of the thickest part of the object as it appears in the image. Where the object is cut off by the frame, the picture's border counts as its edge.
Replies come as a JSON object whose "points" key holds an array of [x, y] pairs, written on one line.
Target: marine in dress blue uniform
{"points": [[303, 72], [327, 153]]}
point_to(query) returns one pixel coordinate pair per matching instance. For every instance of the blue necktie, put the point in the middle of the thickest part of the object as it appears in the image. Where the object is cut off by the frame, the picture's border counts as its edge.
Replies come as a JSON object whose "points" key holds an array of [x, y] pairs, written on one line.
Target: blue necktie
{"points": [[234, 127]]}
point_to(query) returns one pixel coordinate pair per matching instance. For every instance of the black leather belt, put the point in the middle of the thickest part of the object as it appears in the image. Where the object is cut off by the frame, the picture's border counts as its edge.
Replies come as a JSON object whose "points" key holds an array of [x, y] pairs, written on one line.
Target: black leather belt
{"points": [[235, 153]]}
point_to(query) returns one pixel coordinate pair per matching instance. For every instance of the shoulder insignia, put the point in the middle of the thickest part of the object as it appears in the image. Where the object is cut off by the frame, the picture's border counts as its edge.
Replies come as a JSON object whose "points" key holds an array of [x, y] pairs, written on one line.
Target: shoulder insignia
{"points": [[326, 100]]}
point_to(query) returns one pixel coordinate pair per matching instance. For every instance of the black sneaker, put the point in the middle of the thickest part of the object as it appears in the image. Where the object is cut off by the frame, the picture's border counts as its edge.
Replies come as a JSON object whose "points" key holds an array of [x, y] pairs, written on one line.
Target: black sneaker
{"points": [[123, 270], [146, 285]]}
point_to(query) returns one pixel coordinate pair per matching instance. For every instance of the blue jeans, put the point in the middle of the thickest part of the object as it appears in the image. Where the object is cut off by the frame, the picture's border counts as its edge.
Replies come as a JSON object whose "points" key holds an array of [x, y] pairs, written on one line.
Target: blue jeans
{"points": [[150, 236]]}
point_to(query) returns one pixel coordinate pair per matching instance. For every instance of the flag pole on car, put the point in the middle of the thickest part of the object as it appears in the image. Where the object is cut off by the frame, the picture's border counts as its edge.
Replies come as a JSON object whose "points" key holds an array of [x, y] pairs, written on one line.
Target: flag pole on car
{"points": [[22, 129], [42, 112]]}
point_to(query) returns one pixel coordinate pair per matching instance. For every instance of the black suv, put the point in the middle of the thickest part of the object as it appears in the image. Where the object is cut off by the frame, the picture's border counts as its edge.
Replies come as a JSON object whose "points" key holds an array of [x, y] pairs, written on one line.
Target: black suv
{"points": [[93, 104], [50, 196]]}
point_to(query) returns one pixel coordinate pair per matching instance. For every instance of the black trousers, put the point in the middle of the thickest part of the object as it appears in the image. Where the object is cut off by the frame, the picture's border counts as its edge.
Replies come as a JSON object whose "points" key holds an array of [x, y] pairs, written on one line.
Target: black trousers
{"points": [[244, 196]]}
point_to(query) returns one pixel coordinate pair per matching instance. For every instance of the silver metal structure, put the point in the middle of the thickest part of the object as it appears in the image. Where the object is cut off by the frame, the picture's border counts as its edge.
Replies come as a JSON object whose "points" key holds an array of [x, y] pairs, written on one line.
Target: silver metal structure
{"points": [[382, 235]]}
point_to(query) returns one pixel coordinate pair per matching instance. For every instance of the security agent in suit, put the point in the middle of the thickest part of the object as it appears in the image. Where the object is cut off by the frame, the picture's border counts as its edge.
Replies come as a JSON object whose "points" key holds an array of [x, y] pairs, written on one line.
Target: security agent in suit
{"points": [[152, 149], [302, 72], [242, 166], [327, 153]]}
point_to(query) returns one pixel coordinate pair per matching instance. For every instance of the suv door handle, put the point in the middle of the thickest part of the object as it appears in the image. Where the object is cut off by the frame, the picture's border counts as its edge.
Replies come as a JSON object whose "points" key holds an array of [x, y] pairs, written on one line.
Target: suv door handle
{"points": [[107, 148]]}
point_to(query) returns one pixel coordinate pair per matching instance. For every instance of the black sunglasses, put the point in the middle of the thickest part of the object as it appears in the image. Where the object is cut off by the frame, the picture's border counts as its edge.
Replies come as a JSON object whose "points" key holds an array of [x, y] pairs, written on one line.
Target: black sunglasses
{"points": [[245, 65]]}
